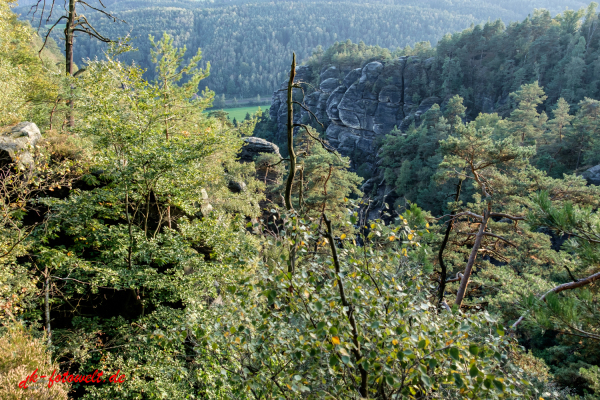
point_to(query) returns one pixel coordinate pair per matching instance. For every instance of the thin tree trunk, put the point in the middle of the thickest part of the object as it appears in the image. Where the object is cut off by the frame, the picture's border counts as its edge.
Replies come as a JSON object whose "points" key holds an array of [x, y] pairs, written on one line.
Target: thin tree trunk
{"points": [[47, 305], [444, 272], [69, 41], [290, 136], [469, 268], [292, 155], [53, 111], [579, 156], [130, 247], [356, 352], [301, 192]]}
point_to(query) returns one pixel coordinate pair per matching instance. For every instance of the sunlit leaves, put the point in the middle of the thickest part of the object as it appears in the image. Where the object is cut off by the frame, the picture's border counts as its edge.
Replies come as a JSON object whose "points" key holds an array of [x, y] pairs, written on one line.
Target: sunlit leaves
{"points": [[399, 332]]}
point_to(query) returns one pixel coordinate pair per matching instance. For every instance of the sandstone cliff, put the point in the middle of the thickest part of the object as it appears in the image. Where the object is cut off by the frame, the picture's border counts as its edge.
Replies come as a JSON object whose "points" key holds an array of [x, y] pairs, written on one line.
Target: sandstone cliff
{"points": [[358, 106]]}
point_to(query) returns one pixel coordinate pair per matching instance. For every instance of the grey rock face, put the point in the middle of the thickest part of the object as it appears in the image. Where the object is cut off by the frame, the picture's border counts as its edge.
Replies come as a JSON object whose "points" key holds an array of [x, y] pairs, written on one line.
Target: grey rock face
{"points": [[278, 110], [254, 146], [358, 106], [592, 175], [303, 74], [390, 94], [371, 71], [329, 85], [352, 77], [331, 72], [332, 104], [17, 142], [426, 105]]}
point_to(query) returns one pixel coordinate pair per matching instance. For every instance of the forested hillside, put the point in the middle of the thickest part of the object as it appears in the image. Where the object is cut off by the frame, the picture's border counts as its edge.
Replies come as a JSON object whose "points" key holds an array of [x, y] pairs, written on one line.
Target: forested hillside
{"points": [[483, 64], [436, 241], [498, 118], [247, 43]]}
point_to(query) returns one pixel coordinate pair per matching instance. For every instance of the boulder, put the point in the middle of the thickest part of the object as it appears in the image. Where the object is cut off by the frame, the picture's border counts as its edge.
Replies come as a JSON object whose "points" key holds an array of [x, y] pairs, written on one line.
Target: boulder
{"points": [[204, 204], [352, 77], [329, 85], [16, 143], [371, 71], [254, 146], [236, 186], [331, 72], [592, 175]]}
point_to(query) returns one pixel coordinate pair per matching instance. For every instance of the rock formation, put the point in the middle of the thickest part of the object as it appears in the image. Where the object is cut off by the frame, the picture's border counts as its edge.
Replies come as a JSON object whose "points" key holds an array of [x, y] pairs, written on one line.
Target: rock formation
{"points": [[592, 175], [357, 106], [17, 142], [254, 146]]}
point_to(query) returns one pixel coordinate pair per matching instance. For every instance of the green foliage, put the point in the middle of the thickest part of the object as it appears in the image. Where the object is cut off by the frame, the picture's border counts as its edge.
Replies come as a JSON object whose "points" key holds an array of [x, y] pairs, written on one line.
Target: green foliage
{"points": [[494, 157], [410, 160], [153, 236], [248, 42], [152, 267], [571, 311], [28, 82], [322, 182], [292, 334]]}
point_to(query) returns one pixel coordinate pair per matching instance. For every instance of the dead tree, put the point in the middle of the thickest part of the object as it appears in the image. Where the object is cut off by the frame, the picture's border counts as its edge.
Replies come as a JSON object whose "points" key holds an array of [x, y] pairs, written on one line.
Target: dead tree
{"points": [[75, 22]]}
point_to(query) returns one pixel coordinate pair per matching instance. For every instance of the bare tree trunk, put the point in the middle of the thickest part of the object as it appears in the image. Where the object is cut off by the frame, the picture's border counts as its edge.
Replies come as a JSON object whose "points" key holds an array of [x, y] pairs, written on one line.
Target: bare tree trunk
{"points": [[349, 308], [47, 305], [472, 257], [169, 216], [290, 136], [444, 272], [292, 155], [579, 156], [69, 41]]}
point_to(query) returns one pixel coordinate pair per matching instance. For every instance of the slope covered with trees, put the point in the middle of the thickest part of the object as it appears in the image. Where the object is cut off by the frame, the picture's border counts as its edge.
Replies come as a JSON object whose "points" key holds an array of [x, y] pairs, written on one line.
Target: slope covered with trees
{"points": [[520, 103], [247, 43], [135, 241]]}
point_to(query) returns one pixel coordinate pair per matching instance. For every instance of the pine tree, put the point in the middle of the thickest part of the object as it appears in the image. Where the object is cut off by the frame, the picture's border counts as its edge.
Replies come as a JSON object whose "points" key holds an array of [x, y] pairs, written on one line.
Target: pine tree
{"points": [[552, 151], [582, 140], [525, 121], [475, 154]]}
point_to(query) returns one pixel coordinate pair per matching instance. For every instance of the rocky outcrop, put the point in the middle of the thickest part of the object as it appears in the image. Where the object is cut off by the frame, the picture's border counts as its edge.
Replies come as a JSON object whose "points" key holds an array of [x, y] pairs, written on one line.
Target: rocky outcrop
{"points": [[254, 146], [592, 175], [17, 143], [357, 106]]}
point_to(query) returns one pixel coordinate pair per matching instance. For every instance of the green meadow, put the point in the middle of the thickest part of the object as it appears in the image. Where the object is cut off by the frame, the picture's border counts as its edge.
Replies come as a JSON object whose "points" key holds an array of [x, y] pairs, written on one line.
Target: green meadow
{"points": [[239, 113]]}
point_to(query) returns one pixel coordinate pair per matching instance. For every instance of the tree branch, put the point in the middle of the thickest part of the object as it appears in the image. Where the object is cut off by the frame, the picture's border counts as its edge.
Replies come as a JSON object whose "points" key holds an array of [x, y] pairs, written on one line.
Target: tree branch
{"points": [[565, 286], [325, 146], [311, 113], [364, 380]]}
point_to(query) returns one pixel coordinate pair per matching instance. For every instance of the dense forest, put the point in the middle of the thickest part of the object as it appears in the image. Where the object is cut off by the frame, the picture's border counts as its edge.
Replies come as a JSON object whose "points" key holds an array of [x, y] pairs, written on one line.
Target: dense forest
{"points": [[487, 66], [491, 88], [247, 43], [151, 250]]}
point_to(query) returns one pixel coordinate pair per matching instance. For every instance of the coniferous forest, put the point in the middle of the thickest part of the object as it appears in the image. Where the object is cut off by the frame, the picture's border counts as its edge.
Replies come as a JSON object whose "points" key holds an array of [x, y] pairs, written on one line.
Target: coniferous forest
{"points": [[411, 220], [248, 43]]}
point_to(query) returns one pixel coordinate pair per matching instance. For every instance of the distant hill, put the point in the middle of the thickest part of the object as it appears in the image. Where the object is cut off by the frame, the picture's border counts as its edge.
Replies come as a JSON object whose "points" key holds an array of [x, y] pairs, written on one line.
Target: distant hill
{"points": [[249, 44]]}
